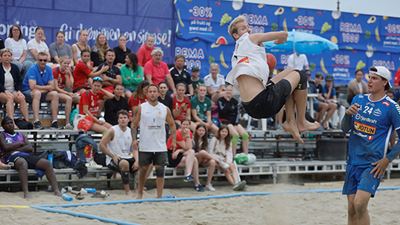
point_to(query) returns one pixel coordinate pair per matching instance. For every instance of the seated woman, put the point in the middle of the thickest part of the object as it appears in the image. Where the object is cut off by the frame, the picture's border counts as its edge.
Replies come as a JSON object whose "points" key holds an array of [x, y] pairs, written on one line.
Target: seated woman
{"points": [[200, 146], [138, 97], [228, 113], [99, 50], [131, 73], [183, 155], [181, 106], [10, 86], [15, 148], [221, 150], [165, 96]]}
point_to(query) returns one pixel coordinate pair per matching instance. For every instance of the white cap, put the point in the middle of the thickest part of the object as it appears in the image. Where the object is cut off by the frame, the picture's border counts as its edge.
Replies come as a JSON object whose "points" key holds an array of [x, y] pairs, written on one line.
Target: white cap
{"points": [[382, 72]]}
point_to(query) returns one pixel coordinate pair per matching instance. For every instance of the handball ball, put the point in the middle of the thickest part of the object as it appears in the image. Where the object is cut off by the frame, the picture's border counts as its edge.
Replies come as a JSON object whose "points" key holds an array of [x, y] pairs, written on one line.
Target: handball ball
{"points": [[271, 60]]}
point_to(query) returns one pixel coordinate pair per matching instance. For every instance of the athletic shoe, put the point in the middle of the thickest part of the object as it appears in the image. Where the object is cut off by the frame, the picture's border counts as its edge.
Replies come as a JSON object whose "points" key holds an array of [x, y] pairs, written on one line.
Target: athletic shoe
{"points": [[199, 188], [37, 125], [209, 187], [239, 186], [54, 125], [93, 164], [188, 178]]}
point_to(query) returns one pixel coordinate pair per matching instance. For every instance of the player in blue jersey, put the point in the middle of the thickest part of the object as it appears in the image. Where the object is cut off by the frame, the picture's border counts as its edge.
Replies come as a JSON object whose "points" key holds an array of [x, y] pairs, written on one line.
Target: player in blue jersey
{"points": [[370, 119]]}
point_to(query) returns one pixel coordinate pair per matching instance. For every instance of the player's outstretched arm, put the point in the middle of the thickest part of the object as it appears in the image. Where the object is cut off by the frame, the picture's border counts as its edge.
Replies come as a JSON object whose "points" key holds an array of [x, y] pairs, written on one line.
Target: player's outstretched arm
{"points": [[279, 37]]}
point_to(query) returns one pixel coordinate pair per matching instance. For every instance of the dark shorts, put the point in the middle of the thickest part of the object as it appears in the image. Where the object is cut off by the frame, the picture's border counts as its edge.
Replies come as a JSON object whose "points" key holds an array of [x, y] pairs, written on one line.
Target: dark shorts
{"points": [[268, 102], [174, 162], [28, 96], [155, 158], [32, 160], [359, 178], [115, 167]]}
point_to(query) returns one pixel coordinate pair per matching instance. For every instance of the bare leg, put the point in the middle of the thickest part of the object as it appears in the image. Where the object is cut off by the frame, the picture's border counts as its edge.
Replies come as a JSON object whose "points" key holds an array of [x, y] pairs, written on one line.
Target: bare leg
{"points": [[68, 105], [124, 167], [290, 125], [189, 155], [245, 143], [351, 212], [160, 185], [361, 200], [300, 97], [143, 170], [51, 177], [52, 96], [36, 94], [22, 167], [329, 114], [20, 99], [195, 171]]}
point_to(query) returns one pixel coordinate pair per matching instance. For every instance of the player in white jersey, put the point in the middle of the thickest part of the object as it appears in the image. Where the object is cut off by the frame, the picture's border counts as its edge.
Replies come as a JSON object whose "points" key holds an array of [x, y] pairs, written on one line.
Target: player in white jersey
{"points": [[116, 144], [152, 116], [261, 97]]}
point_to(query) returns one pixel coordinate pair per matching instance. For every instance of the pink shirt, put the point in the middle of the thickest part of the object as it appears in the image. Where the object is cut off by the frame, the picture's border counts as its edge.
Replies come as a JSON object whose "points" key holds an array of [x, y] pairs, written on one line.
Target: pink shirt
{"points": [[158, 72], [144, 54]]}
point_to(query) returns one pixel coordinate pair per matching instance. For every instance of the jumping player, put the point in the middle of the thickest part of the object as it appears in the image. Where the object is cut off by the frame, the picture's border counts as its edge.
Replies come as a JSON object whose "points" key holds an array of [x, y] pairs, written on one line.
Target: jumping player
{"points": [[261, 97], [371, 119]]}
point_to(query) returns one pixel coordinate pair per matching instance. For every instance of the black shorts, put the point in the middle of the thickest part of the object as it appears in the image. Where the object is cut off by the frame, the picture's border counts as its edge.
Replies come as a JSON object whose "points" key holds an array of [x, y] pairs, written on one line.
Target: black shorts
{"points": [[268, 102], [32, 160], [174, 162], [115, 167], [155, 158]]}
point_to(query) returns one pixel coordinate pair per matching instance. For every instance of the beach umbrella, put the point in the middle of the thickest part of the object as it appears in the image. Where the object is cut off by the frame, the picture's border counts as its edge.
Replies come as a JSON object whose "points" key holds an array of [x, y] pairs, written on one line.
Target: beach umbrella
{"points": [[303, 43]]}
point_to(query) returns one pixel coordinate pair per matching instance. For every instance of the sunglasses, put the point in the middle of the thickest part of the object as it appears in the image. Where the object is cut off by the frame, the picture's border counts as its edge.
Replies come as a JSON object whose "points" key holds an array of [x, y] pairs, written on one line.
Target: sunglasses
{"points": [[97, 79], [42, 60]]}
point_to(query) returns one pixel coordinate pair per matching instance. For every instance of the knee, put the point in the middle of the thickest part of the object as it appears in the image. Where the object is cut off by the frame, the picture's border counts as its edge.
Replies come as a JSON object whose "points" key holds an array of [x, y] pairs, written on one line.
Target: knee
{"points": [[36, 94], [160, 171], [245, 136], [123, 165], [212, 163], [359, 207], [21, 164]]}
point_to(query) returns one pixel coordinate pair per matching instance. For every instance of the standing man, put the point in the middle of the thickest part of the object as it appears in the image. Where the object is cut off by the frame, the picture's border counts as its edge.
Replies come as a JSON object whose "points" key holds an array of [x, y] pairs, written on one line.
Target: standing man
{"points": [[298, 61], [117, 145], [152, 116], [371, 118]]}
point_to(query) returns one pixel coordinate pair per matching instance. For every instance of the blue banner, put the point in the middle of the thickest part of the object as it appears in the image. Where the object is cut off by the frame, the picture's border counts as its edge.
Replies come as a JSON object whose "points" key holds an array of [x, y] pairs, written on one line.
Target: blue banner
{"points": [[363, 40]]}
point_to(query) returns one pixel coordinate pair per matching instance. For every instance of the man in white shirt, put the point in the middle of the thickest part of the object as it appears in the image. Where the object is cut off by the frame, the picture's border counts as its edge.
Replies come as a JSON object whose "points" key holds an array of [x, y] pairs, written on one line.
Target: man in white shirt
{"points": [[214, 81], [297, 61]]}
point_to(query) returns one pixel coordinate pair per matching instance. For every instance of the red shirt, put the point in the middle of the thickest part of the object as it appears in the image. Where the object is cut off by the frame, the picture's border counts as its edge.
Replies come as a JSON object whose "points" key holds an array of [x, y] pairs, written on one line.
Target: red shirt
{"points": [[60, 77], [81, 75], [184, 105], [144, 54], [179, 137], [92, 101], [158, 72], [135, 101]]}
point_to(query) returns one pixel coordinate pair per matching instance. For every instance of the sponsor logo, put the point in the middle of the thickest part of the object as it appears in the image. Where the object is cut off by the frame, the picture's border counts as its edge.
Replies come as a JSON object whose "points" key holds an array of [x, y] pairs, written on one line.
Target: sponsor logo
{"points": [[377, 112], [365, 119], [370, 138], [244, 60], [364, 128], [386, 103]]}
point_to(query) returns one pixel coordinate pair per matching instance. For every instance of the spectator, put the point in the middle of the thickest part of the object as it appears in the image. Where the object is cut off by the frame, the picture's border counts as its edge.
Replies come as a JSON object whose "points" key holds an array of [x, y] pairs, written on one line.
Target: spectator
{"points": [[165, 98], [132, 74], [297, 61], [180, 75], [38, 85], [356, 86], [157, 71], [15, 148], [221, 150], [116, 144], [83, 71], [10, 86], [81, 45], [59, 48], [121, 51], [37, 45], [112, 75], [99, 50], [214, 81], [63, 80], [201, 110], [90, 102], [200, 146], [228, 113], [145, 51], [183, 155], [17, 44], [114, 105], [329, 93], [196, 79], [139, 96], [180, 105]]}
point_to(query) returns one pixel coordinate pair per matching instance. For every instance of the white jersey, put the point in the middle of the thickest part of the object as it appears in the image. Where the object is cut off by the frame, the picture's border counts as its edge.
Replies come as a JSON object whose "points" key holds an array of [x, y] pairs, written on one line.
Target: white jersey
{"points": [[121, 144], [152, 128], [250, 59]]}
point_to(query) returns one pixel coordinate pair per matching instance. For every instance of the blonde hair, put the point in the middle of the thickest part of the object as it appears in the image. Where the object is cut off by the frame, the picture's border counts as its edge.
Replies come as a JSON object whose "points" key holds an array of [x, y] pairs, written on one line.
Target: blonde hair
{"points": [[101, 49], [232, 29], [4, 50]]}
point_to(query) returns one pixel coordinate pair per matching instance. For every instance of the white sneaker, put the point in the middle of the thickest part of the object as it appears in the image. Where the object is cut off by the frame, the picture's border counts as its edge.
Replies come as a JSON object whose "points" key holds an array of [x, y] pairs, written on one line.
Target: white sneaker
{"points": [[209, 187], [93, 164], [239, 186], [224, 165]]}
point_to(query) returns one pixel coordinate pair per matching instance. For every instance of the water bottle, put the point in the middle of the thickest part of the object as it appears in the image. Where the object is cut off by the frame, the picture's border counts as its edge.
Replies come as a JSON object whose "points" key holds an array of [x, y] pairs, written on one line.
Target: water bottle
{"points": [[67, 197], [90, 190], [50, 157]]}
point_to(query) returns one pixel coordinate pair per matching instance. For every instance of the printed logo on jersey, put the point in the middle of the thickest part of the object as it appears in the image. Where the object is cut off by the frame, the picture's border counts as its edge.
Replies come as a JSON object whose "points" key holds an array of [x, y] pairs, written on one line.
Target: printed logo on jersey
{"points": [[365, 119], [377, 112], [364, 128], [370, 138], [386, 103], [244, 60], [397, 107]]}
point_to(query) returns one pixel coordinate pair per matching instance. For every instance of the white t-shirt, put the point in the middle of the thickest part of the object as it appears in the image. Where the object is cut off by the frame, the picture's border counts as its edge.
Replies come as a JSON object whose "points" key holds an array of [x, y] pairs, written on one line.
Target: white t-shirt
{"points": [[298, 62], [121, 144], [17, 47], [214, 84], [39, 46], [152, 128], [8, 80]]}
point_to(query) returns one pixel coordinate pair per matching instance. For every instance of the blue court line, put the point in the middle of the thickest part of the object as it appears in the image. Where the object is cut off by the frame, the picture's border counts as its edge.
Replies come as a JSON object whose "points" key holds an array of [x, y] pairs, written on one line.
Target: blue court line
{"points": [[53, 207]]}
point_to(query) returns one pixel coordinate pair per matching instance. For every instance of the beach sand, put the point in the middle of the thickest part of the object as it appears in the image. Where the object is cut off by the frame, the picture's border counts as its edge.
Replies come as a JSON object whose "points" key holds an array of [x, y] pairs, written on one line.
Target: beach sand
{"points": [[275, 209]]}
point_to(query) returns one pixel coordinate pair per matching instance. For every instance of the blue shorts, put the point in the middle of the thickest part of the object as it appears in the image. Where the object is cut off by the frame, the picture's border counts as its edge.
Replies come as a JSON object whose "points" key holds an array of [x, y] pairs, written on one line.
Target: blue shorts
{"points": [[359, 178]]}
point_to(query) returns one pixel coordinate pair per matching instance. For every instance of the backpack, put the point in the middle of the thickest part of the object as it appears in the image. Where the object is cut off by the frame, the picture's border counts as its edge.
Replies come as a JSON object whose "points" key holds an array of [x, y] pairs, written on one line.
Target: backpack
{"points": [[86, 141]]}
